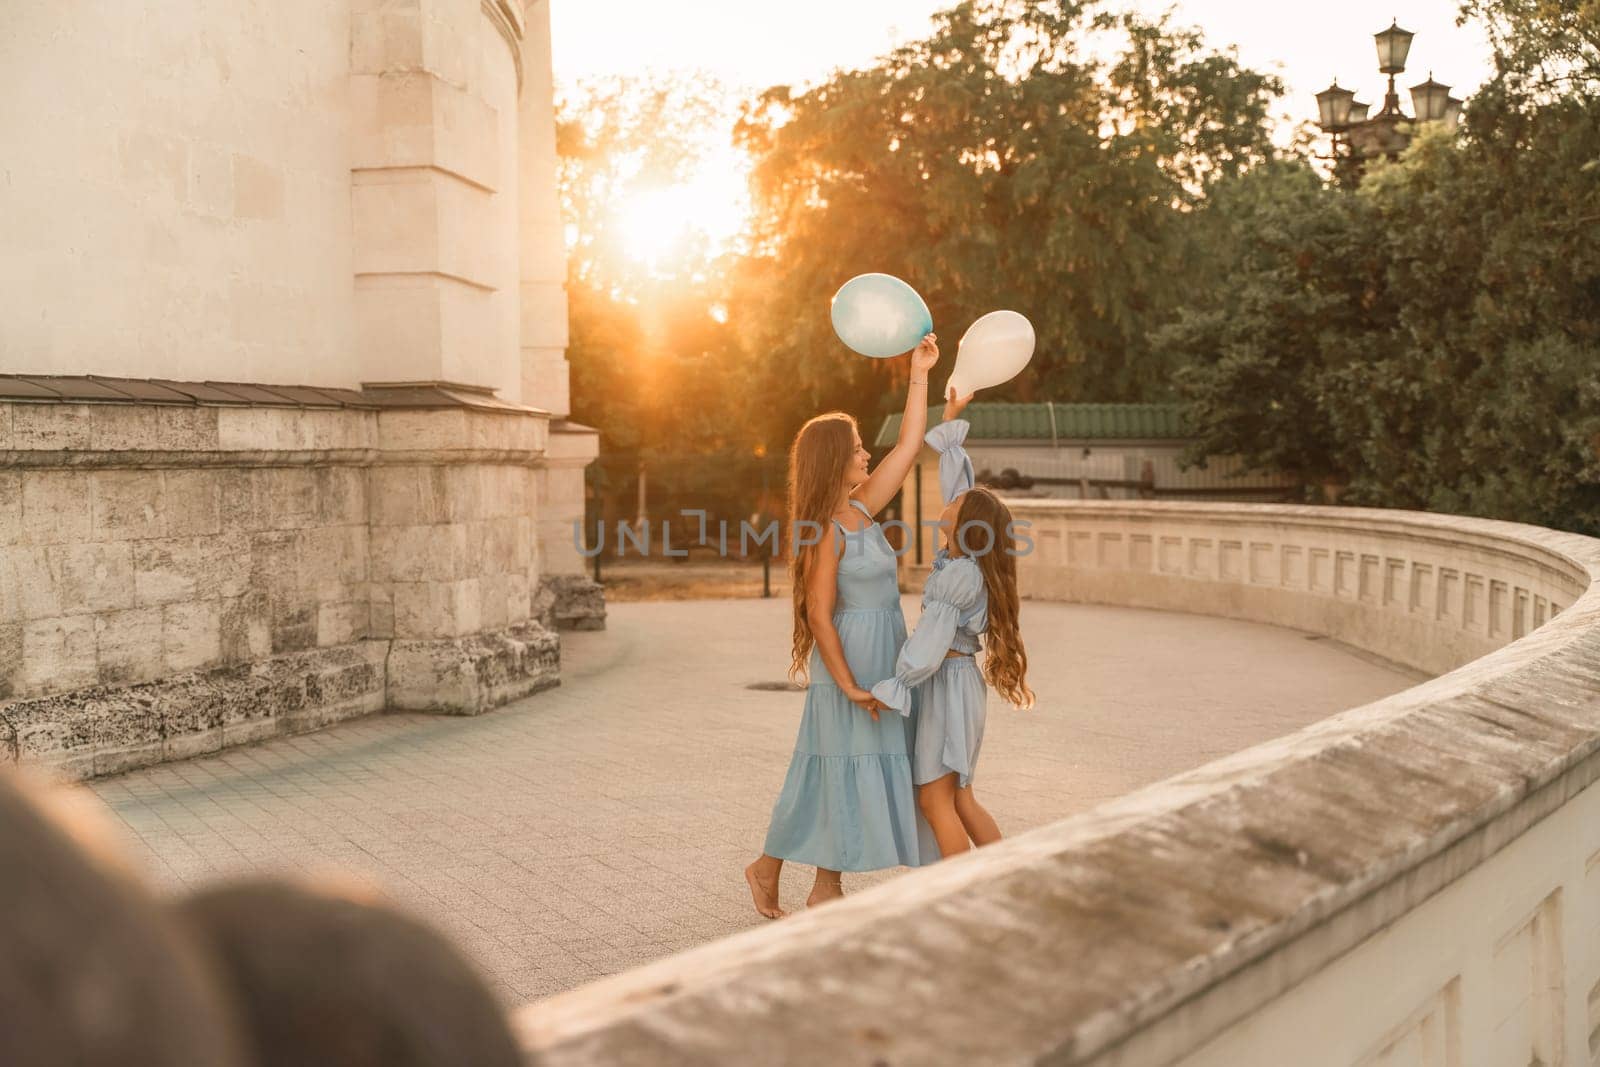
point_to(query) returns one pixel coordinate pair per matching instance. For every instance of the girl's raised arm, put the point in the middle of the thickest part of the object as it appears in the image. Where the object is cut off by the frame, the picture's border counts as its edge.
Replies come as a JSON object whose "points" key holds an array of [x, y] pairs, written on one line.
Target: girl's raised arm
{"points": [[955, 466], [882, 484]]}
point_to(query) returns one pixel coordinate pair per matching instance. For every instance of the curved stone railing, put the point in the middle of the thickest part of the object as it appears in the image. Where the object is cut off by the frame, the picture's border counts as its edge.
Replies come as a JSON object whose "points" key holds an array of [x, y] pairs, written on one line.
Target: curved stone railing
{"points": [[1396, 884], [1429, 591]]}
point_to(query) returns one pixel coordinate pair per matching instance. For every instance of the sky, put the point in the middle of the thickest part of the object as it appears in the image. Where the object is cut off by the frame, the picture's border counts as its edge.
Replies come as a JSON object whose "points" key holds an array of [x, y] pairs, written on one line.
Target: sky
{"points": [[751, 44], [756, 43]]}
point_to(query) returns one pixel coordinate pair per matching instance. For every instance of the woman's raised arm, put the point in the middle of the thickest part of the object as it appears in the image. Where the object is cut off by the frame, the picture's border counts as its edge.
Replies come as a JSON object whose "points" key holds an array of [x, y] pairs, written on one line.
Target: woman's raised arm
{"points": [[882, 484]]}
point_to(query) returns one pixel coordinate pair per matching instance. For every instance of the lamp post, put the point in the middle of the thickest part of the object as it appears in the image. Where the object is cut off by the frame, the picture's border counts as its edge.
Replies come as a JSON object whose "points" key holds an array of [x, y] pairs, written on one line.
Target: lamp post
{"points": [[1357, 137]]}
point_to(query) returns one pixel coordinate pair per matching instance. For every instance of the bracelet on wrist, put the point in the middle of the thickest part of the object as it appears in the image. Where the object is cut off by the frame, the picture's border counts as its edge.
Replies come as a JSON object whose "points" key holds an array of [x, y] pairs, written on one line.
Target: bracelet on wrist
{"points": [[916, 381]]}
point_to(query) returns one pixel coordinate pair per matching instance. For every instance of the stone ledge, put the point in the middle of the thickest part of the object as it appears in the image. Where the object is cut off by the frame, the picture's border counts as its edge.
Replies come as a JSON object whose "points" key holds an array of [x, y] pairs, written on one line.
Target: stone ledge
{"points": [[470, 675], [570, 602], [93, 389], [1431, 591], [104, 730], [154, 459], [85, 423]]}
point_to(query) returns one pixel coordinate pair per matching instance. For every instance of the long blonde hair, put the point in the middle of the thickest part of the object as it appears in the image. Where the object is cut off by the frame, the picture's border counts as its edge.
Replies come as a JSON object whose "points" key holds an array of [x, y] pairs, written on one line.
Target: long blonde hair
{"points": [[818, 458], [1005, 664]]}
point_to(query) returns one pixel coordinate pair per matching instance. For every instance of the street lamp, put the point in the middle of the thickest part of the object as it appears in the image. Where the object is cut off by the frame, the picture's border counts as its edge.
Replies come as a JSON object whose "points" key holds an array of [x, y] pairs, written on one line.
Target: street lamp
{"points": [[1429, 99], [1334, 105], [1393, 46], [1357, 136], [1452, 112]]}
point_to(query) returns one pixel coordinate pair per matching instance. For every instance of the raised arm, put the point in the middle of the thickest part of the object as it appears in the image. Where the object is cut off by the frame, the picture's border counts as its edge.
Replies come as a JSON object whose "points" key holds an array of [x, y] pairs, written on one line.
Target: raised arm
{"points": [[821, 590], [955, 466], [884, 482]]}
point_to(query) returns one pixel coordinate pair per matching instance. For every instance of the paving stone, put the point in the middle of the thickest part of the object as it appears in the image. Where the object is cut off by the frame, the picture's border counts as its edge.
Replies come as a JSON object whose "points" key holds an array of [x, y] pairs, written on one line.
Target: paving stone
{"points": [[602, 824]]}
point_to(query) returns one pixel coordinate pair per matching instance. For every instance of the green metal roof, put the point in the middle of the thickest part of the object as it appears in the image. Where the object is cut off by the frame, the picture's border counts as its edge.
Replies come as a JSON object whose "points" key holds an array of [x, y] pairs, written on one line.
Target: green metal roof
{"points": [[1033, 422]]}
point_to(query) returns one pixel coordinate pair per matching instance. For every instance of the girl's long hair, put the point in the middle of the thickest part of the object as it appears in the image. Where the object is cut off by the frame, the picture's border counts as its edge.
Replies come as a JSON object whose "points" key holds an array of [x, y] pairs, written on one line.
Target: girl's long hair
{"points": [[820, 455], [1005, 664]]}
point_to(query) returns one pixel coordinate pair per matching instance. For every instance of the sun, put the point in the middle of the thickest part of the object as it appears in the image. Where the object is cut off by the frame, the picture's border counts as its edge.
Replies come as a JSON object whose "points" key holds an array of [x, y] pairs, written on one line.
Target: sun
{"points": [[662, 227], [655, 223]]}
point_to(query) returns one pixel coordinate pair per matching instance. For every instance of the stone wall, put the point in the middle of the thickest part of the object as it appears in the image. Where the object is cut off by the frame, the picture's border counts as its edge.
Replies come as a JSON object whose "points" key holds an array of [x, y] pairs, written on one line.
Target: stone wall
{"points": [[1409, 882], [178, 197], [174, 579], [296, 192], [348, 195]]}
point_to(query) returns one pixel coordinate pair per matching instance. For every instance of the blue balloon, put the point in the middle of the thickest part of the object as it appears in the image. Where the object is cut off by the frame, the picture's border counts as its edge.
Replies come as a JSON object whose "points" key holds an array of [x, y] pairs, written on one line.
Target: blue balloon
{"points": [[879, 315]]}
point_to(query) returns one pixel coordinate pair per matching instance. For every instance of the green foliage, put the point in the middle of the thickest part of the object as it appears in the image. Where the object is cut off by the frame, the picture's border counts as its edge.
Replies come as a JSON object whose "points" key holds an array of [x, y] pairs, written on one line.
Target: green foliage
{"points": [[1544, 49], [1429, 340], [1297, 296], [999, 162], [1426, 340]]}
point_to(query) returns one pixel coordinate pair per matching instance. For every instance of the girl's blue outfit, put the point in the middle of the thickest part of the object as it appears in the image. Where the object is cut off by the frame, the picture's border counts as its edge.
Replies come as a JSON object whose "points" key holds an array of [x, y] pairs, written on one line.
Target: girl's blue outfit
{"points": [[847, 803], [948, 694]]}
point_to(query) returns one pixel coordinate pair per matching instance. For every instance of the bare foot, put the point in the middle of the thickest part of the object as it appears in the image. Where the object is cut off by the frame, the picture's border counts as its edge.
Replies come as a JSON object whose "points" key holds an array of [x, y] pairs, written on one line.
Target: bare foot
{"points": [[823, 892], [763, 894]]}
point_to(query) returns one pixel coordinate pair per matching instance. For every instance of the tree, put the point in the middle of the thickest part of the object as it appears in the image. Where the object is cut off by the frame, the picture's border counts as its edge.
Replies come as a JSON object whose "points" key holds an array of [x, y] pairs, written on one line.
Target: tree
{"points": [[616, 138], [1430, 338], [1294, 296], [998, 162], [654, 366], [646, 345], [1544, 49]]}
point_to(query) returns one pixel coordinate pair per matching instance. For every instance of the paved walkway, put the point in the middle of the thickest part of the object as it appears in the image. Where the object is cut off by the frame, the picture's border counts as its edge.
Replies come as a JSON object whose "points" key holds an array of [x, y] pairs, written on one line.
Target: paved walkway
{"points": [[603, 824]]}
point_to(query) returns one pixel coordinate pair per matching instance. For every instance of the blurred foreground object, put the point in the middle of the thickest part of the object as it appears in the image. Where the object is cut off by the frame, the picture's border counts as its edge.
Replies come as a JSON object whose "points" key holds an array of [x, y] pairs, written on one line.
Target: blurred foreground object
{"points": [[329, 979], [92, 969]]}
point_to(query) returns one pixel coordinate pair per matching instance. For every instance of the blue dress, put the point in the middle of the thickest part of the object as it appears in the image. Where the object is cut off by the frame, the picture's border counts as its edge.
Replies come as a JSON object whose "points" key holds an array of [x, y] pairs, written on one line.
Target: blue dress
{"points": [[948, 694], [847, 803]]}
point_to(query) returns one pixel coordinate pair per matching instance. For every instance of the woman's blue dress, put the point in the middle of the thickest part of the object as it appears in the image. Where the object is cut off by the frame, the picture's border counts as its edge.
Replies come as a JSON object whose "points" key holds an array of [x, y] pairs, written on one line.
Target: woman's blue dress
{"points": [[847, 803]]}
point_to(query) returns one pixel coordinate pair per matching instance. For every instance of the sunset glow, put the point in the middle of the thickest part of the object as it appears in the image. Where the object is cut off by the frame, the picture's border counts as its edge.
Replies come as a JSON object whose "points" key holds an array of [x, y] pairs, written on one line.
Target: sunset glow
{"points": [[661, 226]]}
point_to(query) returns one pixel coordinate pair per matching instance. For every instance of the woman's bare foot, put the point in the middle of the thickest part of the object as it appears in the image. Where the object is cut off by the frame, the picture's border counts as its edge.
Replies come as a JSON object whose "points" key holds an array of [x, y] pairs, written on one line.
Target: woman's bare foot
{"points": [[824, 891], [763, 893]]}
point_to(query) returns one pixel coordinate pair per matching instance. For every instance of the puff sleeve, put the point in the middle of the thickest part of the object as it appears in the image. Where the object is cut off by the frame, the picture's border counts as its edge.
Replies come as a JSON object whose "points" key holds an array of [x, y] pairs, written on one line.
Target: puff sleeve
{"points": [[955, 466], [951, 591]]}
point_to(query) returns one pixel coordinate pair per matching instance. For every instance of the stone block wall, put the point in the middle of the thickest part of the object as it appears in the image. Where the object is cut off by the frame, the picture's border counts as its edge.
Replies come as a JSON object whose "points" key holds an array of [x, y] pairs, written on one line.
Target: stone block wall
{"points": [[125, 576], [342, 195], [176, 579], [185, 203]]}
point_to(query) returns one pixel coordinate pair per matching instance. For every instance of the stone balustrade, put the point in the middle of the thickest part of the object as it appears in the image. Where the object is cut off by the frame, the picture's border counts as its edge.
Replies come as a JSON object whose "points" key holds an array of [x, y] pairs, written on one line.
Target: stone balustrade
{"points": [[176, 578], [1416, 881]]}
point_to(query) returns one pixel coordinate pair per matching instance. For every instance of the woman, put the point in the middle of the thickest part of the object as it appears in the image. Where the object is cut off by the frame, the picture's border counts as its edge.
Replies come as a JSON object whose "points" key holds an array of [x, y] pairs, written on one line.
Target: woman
{"points": [[847, 803]]}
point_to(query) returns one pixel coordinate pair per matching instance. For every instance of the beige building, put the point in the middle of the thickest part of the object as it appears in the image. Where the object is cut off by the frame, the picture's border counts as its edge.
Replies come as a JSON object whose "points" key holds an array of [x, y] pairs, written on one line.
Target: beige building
{"points": [[283, 387]]}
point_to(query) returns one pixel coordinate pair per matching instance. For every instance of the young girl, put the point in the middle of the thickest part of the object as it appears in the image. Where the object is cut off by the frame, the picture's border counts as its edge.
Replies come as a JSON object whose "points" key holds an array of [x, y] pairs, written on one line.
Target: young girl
{"points": [[972, 590]]}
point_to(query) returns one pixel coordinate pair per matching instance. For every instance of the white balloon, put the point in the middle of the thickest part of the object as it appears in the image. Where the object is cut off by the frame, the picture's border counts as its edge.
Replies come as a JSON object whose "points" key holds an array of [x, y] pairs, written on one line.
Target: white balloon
{"points": [[993, 350]]}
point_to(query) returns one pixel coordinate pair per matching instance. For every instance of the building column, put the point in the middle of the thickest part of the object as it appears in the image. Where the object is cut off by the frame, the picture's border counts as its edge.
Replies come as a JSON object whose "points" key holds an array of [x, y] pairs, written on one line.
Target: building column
{"points": [[543, 258], [567, 597], [434, 87]]}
